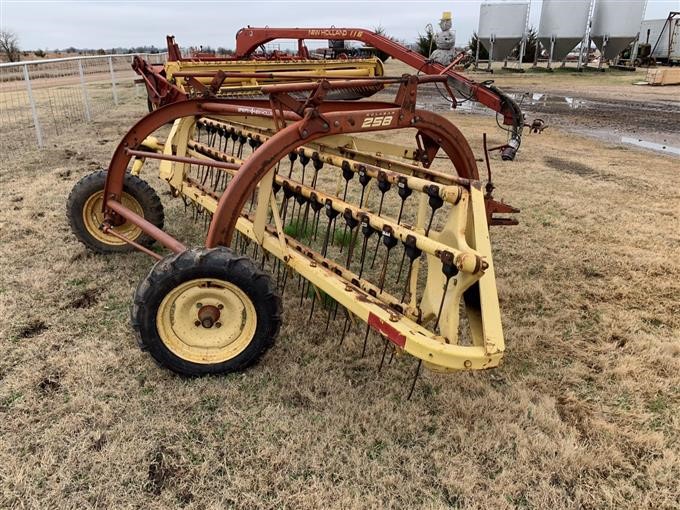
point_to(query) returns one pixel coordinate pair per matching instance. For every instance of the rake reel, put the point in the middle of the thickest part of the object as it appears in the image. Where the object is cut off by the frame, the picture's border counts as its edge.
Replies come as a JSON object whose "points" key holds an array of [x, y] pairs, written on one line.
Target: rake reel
{"points": [[372, 211]]}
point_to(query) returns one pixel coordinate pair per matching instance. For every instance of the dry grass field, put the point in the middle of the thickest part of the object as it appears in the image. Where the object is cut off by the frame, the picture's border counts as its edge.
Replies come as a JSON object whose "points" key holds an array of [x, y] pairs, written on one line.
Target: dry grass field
{"points": [[584, 413]]}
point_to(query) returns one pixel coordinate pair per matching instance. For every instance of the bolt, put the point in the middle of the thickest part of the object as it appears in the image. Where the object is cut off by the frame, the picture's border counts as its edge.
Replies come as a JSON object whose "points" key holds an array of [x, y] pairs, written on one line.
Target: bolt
{"points": [[218, 324], [220, 306], [304, 133], [336, 123], [197, 323], [467, 363], [199, 305]]}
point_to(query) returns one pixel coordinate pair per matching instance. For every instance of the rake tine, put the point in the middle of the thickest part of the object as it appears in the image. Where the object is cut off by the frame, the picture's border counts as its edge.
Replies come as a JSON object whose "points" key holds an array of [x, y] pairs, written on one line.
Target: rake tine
{"points": [[303, 294], [233, 137], [311, 312], [435, 202], [345, 328], [449, 269], [292, 157], [285, 278], [390, 242], [413, 252], [382, 359], [401, 265], [415, 378], [368, 330], [328, 318]]}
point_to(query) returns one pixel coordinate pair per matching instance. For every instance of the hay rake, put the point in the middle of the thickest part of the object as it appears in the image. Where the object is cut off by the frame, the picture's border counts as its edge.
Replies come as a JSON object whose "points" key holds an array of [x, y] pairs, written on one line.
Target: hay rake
{"points": [[364, 229]]}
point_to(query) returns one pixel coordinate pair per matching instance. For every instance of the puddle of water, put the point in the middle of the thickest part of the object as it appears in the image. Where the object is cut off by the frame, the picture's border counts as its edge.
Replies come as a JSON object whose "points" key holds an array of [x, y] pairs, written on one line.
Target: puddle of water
{"points": [[541, 99], [667, 149]]}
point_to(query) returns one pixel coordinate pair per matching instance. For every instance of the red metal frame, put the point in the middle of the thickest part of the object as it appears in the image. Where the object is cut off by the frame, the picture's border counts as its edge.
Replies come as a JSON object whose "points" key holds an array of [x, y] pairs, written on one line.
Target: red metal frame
{"points": [[250, 38], [307, 121]]}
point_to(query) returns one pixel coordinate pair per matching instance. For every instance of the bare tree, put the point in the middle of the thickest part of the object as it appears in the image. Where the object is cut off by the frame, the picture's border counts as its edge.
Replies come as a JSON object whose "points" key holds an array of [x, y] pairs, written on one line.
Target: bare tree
{"points": [[9, 46]]}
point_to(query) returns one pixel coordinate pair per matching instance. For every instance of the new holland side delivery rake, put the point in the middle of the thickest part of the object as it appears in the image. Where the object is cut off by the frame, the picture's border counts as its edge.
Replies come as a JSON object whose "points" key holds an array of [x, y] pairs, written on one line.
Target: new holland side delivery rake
{"points": [[293, 182]]}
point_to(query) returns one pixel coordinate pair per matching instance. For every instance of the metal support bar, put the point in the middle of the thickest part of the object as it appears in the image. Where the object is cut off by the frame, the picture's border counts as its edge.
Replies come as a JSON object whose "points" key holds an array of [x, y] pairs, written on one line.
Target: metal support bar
{"points": [[113, 82], [111, 231], [34, 111], [83, 86], [152, 230]]}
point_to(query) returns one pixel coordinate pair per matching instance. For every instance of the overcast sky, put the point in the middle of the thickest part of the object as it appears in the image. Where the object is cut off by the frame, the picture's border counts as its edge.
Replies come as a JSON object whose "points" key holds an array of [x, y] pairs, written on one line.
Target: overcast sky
{"points": [[107, 24]]}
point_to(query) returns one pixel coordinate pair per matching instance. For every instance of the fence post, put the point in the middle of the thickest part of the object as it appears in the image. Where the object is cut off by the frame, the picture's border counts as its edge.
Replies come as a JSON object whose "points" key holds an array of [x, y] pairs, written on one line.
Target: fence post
{"points": [[36, 122], [86, 99], [113, 82]]}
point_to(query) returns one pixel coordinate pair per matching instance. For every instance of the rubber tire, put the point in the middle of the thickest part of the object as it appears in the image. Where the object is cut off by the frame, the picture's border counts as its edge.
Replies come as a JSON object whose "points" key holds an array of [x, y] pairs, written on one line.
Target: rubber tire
{"points": [[138, 188], [220, 263]]}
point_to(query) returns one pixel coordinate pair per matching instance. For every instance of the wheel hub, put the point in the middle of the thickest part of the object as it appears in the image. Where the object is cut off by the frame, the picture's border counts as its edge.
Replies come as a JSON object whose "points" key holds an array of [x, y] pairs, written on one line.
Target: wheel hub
{"points": [[191, 320], [93, 219], [208, 315]]}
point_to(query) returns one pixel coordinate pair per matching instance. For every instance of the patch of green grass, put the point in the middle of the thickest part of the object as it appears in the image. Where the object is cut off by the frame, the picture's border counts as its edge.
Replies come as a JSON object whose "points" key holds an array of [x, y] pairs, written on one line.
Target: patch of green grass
{"points": [[298, 229], [376, 449], [659, 404], [342, 237], [11, 399]]}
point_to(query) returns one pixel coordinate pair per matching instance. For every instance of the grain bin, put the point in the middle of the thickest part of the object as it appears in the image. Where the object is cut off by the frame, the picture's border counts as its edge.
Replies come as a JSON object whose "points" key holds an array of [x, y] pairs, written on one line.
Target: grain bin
{"points": [[616, 23], [501, 27], [563, 25]]}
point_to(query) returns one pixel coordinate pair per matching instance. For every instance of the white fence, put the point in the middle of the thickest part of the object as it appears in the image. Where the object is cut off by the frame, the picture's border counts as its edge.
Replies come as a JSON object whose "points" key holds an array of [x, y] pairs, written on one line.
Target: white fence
{"points": [[42, 98]]}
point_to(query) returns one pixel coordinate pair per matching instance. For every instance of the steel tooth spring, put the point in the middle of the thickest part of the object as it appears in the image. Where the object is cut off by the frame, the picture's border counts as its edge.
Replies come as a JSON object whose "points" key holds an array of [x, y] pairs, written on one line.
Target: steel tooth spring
{"points": [[287, 193], [304, 160], [242, 139], [412, 252], [300, 199], [390, 242], [367, 230], [383, 186], [331, 214], [234, 136], [276, 187], [435, 202], [316, 205], [348, 175], [291, 157], [318, 165], [313, 204], [404, 192], [450, 270], [350, 222], [364, 179]]}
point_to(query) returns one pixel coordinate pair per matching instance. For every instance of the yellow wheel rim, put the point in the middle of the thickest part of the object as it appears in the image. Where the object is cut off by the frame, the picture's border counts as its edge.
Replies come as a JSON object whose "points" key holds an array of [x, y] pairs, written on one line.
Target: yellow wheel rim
{"points": [[206, 321], [93, 217]]}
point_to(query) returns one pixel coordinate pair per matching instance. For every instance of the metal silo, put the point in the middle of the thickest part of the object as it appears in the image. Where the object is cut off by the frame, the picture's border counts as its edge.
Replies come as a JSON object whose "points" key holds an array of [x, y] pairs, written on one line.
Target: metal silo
{"points": [[563, 25], [616, 23], [501, 27]]}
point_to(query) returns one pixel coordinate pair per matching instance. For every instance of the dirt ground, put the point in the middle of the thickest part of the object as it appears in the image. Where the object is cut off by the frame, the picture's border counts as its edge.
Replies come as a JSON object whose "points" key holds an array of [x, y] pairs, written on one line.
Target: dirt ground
{"points": [[584, 412], [605, 105]]}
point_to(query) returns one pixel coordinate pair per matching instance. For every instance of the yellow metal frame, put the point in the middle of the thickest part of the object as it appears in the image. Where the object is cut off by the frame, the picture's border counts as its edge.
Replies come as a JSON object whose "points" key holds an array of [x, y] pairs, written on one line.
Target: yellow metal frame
{"points": [[465, 235], [286, 70]]}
